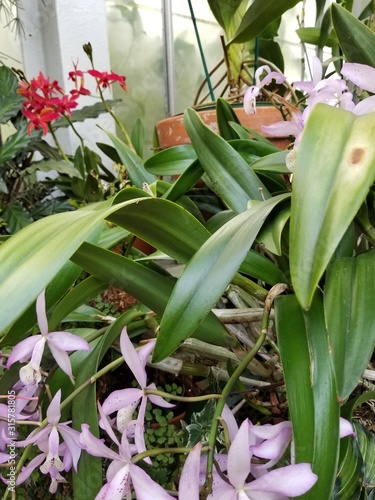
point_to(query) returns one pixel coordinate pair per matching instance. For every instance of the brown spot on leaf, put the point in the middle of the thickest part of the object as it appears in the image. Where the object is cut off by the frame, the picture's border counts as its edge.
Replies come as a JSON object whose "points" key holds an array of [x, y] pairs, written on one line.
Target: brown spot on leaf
{"points": [[357, 156]]}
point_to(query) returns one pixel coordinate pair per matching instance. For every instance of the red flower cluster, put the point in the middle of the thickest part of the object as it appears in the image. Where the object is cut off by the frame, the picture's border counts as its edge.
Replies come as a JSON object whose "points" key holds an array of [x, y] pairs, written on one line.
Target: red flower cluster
{"points": [[45, 101], [105, 79]]}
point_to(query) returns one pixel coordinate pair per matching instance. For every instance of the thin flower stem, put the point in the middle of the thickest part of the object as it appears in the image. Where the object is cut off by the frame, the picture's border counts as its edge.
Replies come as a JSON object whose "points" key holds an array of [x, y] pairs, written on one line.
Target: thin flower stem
{"points": [[70, 121], [277, 289], [156, 451], [193, 399], [52, 132]]}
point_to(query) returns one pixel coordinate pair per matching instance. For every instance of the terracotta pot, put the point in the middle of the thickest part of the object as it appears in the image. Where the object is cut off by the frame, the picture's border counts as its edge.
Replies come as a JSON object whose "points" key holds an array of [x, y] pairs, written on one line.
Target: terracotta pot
{"points": [[171, 131]]}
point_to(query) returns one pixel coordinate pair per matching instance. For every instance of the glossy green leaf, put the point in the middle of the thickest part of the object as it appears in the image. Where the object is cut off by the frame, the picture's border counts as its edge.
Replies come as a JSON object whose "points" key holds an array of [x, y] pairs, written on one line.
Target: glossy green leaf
{"points": [[357, 40], [171, 161], [274, 162], [258, 16], [207, 275], [231, 177], [348, 302], [80, 294], [312, 35], [349, 480], [82, 114], [225, 114], [225, 12], [258, 266], [138, 137], [271, 233], [311, 389], [150, 287], [240, 131], [186, 181], [14, 145], [60, 166], [10, 100], [39, 251], [63, 280], [132, 162], [322, 205], [366, 443], [16, 217]]}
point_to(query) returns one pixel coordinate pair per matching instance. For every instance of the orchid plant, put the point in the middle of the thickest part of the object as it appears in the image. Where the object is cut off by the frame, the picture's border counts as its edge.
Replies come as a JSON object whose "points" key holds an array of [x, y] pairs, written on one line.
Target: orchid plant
{"points": [[273, 311]]}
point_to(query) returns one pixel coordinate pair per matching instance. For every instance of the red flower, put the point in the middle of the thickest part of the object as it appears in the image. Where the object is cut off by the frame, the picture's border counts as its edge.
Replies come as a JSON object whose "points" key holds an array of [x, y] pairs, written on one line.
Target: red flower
{"points": [[78, 77], [40, 120], [105, 79]]}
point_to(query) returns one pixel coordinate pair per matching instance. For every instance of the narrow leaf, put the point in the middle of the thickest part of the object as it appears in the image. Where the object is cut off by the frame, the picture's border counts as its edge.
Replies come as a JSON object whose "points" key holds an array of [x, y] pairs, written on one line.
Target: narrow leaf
{"points": [[207, 275], [230, 175], [348, 300], [322, 205]]}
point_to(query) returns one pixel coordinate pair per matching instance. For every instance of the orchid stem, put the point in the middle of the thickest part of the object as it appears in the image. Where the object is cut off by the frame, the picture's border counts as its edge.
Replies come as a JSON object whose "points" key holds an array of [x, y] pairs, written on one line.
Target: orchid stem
{"points": [[275, 290], [52, 132], [150, 453], [192, 399]]}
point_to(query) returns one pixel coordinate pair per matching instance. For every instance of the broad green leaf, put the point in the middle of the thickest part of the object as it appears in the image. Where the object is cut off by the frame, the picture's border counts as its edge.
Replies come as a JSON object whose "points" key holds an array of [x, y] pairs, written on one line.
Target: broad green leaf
{"points": [[207, 275], [150, 287], [82, 114], [231, 177], [271, 233], [311, 389], [322, 205], [138, 137], [64, 279], [171, 161], [260, 267], [225, 115], [185, 182], [312, 35], [274, 162], [10, 100], [16, 217], [164, 225], [80, 294], [349, 480], [225, 11], [348, 302], [60, 166], [240, 131], [39, 251], [357, 40], [14, 145], [132, 162], [366, 442], [258, 16]]}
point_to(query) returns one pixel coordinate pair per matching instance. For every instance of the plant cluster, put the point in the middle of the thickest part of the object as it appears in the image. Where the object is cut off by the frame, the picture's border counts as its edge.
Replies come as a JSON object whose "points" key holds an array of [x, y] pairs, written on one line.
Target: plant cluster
{"points": [[272, 312]]}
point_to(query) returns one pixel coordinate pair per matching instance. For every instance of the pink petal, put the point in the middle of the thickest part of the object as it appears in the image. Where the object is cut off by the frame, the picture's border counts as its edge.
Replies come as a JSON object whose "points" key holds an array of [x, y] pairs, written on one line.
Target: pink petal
{"points": [[365, 106], [360, 74], [71, 439], [132, 358], [230, 421], [119, 485], [268, 431], [346, 428], [224, 492], [41, 313], [106, 425], [62, 359], [121, 399], [158, 400], [146, 489], [66, 341], [249, 104], [273, 448], [53, 410], [239, 456], [95, 446], [290, 481], [23, 350], [139, 431], [189, 481], [27, 471], [282, 129]]}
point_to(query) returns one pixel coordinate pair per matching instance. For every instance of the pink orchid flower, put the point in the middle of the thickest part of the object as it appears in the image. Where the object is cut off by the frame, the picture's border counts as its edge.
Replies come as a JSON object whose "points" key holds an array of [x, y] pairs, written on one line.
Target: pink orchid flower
{"points": [[249, 100], [364, 77], [121, 472], [125, 401], [48, 441], [58, 342], [278, 484]]}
